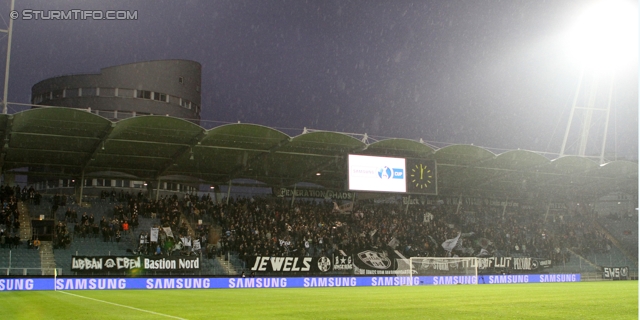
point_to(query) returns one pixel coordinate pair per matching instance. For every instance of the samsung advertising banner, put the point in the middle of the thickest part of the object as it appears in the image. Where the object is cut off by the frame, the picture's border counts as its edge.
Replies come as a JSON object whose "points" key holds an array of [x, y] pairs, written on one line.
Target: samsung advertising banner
{"points": [[28, 284], [122, 263]]}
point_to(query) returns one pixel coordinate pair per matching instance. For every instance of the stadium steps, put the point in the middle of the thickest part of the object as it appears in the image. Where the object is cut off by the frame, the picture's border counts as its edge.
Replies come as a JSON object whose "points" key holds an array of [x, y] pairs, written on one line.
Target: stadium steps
{"points": [[227, 266], [25, 222], [616, 243], [47, 258], [613, 258], [576, 264], [584, 260], [212, 266]]}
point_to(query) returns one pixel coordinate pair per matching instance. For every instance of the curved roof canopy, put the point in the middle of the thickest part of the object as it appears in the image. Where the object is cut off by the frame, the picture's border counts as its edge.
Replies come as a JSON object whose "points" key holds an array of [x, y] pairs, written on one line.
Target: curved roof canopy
{"points": [[63, 142]]}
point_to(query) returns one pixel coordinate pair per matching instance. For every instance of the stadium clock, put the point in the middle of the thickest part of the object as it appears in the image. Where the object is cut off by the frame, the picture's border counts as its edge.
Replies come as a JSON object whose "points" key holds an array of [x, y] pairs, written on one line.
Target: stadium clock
{"points": [[421, 176]]}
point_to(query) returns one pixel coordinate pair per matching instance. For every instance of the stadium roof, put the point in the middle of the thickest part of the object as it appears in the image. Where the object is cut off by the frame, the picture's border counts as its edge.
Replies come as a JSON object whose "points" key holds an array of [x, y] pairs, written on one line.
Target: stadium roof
{"points": [[63, 142]]}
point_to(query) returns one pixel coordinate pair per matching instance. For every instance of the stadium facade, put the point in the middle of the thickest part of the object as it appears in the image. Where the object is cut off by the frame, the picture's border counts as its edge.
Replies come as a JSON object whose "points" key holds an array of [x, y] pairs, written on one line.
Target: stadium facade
{"points": [[162, 87]]}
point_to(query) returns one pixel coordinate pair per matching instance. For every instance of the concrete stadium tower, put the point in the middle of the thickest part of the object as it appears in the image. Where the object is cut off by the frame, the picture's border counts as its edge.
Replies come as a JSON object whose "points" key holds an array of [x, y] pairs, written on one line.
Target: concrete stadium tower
{"points": [[162, 87]]}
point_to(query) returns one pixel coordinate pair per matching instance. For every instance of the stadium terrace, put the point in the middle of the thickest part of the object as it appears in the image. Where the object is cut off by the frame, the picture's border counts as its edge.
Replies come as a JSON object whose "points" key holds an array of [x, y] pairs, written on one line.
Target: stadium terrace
{"points": [[277, 205]]}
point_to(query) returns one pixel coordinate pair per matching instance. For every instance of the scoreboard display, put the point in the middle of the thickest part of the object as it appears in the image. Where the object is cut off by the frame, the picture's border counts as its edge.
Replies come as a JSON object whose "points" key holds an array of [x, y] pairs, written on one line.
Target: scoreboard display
{"points": [[385, 174], [367, 173]]}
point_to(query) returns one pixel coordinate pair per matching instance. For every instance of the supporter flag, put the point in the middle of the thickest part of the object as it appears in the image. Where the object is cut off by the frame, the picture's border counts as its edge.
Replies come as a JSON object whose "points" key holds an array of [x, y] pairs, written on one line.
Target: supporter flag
{"points": [[448, 245], [196, 245], [344, 209], [154, 234], [484, 242], [167, 230], [168, 245], [393, 243]]}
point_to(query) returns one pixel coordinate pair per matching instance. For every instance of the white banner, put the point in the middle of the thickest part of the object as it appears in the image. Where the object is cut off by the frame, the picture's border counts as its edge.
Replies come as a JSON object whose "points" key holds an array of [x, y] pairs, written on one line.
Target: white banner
{"points": [[154, 234], [168, 231]]}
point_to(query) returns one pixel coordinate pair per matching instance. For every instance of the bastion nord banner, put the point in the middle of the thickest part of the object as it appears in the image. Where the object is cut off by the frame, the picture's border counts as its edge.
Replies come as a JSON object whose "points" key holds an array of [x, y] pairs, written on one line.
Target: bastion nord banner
{"points": [[123, 263]]}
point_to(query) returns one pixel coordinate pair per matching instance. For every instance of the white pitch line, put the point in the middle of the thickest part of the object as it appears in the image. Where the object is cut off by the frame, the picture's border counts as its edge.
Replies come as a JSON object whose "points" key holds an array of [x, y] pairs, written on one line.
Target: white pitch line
{"points": [[121, 305]]}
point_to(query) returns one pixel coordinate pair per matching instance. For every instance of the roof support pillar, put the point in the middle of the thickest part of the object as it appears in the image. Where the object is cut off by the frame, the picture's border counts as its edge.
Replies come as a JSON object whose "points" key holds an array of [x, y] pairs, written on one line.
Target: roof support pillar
{"points": [[10, 178], [546, 214], [293, 197], [228, 192], [81, 188], [406, 209], [459, 203], [504, 208], [216, 191], [6, 71], [157, 189]]}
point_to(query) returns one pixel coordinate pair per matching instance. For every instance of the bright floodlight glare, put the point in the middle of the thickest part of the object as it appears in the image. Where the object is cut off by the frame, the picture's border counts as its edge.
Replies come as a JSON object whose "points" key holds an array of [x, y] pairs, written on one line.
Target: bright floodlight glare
{"points": [[605, 36]]}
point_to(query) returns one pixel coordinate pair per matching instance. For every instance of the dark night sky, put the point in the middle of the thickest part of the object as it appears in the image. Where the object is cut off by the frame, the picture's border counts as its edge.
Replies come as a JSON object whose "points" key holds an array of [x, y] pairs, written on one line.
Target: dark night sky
{"points": [[491, 73]]}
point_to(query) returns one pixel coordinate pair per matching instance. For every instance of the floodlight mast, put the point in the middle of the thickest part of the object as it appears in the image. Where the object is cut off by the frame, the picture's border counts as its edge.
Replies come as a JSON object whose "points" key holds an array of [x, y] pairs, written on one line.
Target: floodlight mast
{"points": [[9, 31], [601, 40], [573, 108], [588, 112]]}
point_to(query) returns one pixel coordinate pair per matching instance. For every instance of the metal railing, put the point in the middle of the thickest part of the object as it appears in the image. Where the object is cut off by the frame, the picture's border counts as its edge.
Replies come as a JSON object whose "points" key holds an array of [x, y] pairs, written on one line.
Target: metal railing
{"points": [[17, 271]]}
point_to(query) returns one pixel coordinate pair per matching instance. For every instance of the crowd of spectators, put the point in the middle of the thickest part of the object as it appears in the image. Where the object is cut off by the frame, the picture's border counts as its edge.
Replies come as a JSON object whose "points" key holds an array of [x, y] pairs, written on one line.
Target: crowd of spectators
{"points": [[271, 226], [10, 216], [9, 241], [62, 238], [165, 212]]}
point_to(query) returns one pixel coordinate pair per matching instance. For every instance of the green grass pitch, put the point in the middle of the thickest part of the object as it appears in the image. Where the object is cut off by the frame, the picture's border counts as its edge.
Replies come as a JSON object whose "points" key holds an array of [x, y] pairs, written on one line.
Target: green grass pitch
{"points": [[584, 300]]}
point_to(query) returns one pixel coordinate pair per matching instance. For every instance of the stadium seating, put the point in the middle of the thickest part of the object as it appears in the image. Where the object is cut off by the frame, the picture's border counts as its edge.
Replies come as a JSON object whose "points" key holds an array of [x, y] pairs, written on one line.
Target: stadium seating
{"points": [[571, 239], [20, 261], [624, 230]]}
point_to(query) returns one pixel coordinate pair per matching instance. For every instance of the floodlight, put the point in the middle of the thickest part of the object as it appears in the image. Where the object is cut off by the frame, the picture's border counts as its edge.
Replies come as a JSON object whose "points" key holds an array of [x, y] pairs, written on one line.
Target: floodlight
{"points": [[605, 35]]}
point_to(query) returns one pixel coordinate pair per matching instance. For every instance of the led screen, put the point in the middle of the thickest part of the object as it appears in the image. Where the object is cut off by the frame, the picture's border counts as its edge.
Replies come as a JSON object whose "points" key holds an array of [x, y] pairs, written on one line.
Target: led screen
{"points": [[368, 173]]}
